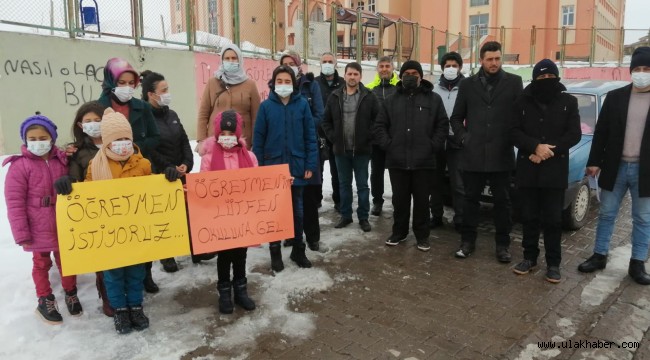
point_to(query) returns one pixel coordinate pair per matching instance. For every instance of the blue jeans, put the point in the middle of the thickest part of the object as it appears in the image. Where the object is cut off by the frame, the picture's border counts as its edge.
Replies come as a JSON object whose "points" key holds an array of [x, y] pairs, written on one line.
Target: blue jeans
{"points": [[124, 286], [610, 201], [346, 164]]}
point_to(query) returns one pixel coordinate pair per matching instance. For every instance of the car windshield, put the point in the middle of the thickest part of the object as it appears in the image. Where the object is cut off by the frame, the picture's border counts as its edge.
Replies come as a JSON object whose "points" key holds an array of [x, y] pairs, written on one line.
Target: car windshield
{"points": [[587, 108]]}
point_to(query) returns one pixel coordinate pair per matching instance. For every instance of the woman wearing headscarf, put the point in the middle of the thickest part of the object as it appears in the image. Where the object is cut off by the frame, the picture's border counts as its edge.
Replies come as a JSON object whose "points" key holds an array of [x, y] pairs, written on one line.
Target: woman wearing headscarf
{"points": [[230, 88]]}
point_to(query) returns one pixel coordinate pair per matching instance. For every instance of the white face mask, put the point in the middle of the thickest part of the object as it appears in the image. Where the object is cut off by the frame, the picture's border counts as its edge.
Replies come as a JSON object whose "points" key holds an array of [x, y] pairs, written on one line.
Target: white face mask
{"points": [[641, 79], [122, 147], [230, 66], [283, 90], [327, 69], [295, 70], [124, 93], [227, 141], [93, 128], [165, 99], [39, 148], [450, 73]]}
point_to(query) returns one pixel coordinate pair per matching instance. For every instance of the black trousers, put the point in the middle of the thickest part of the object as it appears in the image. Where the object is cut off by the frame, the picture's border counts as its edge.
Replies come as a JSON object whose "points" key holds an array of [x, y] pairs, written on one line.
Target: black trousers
{"points": [[335, 175], [377, 168], [456, 184], [542, 209], [436, 202], [499, 185], [312, 196], [236, 257], [407, 184]]}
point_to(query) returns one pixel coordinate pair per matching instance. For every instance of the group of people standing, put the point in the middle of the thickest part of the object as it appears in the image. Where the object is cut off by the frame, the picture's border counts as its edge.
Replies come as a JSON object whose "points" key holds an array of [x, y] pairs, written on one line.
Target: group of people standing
{"points": [[400, 121]]}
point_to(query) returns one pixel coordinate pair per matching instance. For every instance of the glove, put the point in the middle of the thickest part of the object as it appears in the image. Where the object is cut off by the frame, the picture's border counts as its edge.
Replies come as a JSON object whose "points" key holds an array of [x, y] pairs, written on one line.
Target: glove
{"points": [[171, 174], [63, 185]]}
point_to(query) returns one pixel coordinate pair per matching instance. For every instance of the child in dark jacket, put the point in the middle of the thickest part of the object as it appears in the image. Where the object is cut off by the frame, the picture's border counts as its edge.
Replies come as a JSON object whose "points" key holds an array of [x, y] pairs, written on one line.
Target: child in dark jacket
{"points": [[31, 204], [224, 151]]}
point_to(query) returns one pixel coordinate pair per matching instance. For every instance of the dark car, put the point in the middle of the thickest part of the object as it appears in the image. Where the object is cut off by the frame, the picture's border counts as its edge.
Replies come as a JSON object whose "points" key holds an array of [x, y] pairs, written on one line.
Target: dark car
{"points": [[577, 199]]}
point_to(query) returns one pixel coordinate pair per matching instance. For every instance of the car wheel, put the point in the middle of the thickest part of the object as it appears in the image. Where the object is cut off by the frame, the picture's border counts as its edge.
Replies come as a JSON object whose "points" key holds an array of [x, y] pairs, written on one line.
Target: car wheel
{"points": [[575, 216]]}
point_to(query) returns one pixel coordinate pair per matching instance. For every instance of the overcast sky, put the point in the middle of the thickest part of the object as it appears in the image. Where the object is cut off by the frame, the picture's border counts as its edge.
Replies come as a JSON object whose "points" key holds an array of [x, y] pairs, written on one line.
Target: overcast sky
{"points": [[115, 16]]}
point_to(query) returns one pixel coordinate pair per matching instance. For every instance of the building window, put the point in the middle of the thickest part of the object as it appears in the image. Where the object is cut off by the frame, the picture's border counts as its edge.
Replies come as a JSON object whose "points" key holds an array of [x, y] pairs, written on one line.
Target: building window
{"points": [[371, 38], [213, 25], [317, 15], [479, 2], [478, 24], [371, 6], [179, 28], [178, 5], [568, 15], [212, 6], [360, 5]]}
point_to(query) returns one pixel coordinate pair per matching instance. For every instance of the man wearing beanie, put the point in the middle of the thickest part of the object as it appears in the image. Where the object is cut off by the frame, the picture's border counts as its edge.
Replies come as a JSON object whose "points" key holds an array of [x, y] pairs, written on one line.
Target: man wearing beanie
{"points": [[547, 125], [451, 64], [620, 159], [411, 128], [481, 122]]}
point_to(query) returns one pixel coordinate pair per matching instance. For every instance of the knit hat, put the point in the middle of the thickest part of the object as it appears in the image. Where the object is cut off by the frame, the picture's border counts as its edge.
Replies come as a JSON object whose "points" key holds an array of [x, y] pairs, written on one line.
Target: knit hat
{"points": [[640, 57], [411, 65], [229, 120], [545, 66], [41, 120], [114, 126], [293, 55]]}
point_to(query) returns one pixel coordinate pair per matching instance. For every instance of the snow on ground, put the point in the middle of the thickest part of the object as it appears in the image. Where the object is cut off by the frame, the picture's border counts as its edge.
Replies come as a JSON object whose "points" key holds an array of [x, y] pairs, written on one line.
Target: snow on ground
{"points": [[181, 320]]}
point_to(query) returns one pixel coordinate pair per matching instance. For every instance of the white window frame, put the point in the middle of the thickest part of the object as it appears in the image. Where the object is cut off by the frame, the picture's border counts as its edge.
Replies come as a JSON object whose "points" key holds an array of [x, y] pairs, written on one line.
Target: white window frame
{"points": [[568, 13]]}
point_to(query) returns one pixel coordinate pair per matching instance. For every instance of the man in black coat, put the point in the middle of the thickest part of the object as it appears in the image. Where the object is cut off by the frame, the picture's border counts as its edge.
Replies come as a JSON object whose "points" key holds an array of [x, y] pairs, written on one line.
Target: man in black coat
{"points": [[620, 157], [349, 115], [411, 128], [481, 122], [546, 127], [329, 80]]}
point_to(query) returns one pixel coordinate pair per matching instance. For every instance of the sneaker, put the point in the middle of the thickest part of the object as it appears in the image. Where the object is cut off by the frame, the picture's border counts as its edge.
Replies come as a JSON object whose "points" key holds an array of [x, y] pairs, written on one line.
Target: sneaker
{"points": [[553, 274], [395, 240], [376, 209], [524, 267], [48, 310], [122, 321], [465, 250], [503, 255], [139, 321], [423, 244], [364, 225], [72, 302]]}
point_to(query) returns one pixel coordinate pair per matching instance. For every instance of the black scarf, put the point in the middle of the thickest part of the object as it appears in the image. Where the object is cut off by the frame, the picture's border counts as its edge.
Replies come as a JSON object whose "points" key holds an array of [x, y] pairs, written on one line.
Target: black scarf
{"points": [[450, 84]]}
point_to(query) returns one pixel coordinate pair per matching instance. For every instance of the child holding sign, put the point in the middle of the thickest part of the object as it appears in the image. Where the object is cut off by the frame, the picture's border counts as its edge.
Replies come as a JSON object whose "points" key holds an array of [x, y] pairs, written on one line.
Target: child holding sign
{"points": [[120, 158], [224, 151], [31, 200], [285, 134]]}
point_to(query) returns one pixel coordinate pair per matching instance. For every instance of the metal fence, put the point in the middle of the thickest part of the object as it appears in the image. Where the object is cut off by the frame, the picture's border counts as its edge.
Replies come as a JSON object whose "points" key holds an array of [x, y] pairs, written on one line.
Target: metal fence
{"points": [[264, 28]]}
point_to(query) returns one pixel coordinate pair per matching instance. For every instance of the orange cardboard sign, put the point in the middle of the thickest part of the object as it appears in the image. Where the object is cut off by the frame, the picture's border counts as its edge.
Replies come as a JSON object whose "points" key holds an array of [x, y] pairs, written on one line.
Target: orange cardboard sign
{"points": [[238, 208]]}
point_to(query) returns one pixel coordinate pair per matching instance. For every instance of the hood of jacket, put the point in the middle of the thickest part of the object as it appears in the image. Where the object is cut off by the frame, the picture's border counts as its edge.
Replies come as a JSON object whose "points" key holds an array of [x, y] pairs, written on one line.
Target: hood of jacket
{"points": [[425, 87]]}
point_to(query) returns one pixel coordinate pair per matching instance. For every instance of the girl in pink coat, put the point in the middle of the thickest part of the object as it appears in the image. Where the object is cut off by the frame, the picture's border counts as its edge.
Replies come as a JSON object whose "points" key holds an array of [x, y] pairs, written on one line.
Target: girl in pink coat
{"points": [[31, 201], [224, 151]]}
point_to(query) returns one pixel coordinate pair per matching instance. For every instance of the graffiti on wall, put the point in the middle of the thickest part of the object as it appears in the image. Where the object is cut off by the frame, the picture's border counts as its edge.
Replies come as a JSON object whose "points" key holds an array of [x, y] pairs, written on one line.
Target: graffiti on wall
{"points": [[597, 73]]}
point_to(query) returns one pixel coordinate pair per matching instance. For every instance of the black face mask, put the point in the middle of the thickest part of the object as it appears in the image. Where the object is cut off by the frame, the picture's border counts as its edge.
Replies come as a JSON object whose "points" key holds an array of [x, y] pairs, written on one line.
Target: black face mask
{"points": [[410, 82], [546, 89]]}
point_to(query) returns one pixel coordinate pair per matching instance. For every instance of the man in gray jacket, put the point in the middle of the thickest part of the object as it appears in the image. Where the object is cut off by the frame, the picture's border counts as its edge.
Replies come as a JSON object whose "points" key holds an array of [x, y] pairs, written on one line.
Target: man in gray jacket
{"points": [[481, 123]]}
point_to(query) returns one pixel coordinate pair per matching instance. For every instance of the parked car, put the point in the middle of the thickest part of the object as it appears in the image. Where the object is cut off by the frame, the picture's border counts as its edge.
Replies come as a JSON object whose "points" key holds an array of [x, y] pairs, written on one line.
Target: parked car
{"points": [[577, 198]]}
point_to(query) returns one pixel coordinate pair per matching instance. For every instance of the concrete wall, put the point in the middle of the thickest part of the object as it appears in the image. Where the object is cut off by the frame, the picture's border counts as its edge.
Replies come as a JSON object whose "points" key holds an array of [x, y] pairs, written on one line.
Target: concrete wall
{"points": [[56, 75]]}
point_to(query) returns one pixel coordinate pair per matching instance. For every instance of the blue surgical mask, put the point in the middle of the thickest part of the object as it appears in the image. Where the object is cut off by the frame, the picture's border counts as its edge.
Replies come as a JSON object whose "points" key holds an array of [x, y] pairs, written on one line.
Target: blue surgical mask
{"points": [[230, 66], [283, 90]]}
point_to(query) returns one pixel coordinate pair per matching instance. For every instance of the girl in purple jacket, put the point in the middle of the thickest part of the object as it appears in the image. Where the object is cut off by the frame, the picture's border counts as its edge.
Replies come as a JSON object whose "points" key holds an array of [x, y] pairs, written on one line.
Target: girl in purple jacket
{"points": [[31, 200]]}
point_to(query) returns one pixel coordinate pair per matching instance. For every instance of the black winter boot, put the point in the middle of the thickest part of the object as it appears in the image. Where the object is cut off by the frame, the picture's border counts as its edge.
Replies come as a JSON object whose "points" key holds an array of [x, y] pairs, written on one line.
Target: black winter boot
{"points": [[48, 310], [276, 257], [225, 297], [637, 272], [149, 285], [298, 256], [595, 262], [241, 294], [122, 321], [169, 265], [72, 302], [139, 321]]}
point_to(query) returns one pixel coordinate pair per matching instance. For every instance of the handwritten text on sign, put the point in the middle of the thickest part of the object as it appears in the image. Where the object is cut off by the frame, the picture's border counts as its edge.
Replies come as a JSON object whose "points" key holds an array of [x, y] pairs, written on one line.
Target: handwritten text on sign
{"points": [[238, 208], [115, 223]]}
